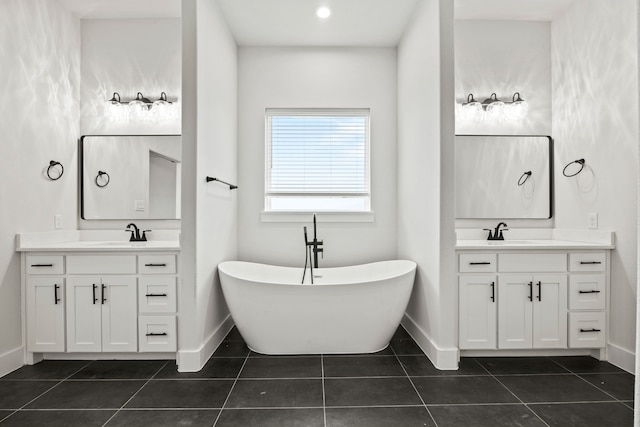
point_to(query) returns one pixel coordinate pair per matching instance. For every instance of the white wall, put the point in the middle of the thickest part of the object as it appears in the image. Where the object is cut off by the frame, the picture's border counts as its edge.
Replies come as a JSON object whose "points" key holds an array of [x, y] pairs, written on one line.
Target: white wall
{"points": [[504, 57], [209, 224], [317, 77], [130, 56], [595, 117], [39, 114], [425, 178]]}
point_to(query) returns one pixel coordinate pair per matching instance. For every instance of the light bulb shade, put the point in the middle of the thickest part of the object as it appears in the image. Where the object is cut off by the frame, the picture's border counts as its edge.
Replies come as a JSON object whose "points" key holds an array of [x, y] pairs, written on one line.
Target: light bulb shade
{"points": [[140, 100], [162, 100], [115, 99]]}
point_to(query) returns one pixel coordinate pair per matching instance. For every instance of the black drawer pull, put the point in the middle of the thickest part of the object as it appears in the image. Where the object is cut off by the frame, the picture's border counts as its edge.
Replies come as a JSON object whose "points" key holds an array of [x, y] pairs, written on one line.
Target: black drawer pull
{"points": [[480, 263], [589, 330], [56, 300], [493, 291], [590, 262], [95, 300], [155, 295], [156, 265], [41, 265], [530, 284], [153, 334], [588, 292], [103, 298]]}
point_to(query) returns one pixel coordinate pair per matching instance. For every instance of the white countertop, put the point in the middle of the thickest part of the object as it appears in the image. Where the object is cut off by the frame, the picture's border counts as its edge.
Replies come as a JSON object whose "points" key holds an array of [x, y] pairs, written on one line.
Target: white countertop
{"points": [[95, 241], [536, 239]]}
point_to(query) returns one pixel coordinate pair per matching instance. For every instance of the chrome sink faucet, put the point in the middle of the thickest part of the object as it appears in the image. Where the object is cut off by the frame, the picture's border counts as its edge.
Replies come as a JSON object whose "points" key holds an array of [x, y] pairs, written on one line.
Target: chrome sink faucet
{"points": [[135, 233], [497, 232]]}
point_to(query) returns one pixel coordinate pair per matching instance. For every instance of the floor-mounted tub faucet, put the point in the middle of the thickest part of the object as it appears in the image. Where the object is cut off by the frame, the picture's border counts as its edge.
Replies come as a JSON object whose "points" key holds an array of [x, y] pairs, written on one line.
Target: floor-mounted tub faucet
{"points": [[312, 246]]}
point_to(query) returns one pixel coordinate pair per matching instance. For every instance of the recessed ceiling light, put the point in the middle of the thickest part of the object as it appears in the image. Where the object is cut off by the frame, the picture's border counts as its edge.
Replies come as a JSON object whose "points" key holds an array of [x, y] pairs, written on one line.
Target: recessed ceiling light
{"points": [[323, 12]]}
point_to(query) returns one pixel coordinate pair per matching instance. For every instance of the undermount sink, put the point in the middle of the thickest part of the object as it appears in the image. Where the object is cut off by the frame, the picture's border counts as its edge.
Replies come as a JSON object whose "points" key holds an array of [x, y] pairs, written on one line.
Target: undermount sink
{"points": [[117, 243]]}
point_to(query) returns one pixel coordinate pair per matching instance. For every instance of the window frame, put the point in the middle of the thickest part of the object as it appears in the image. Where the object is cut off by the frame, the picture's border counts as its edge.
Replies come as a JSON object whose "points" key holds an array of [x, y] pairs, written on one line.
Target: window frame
{"points": [[337, 215]]}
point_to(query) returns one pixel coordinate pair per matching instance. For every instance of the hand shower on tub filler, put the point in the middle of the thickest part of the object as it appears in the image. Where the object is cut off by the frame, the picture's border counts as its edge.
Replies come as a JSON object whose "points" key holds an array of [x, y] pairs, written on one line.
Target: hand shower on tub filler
{"points": [[314, 247]]}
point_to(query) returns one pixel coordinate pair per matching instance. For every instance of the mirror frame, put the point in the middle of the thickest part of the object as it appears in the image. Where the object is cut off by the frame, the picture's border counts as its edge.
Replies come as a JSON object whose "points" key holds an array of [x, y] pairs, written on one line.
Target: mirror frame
{"points": [[81, 183], [551, 175]]}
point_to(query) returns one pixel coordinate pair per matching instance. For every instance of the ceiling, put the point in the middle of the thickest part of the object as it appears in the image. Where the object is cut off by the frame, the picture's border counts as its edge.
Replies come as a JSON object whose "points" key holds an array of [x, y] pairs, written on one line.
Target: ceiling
{"points": [[293, 22], [519, 10], [123, 9]]}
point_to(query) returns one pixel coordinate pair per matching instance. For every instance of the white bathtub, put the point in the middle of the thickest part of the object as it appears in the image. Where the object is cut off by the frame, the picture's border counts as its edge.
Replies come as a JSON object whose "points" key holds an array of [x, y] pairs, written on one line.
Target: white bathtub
{"points": [[347, 309]]}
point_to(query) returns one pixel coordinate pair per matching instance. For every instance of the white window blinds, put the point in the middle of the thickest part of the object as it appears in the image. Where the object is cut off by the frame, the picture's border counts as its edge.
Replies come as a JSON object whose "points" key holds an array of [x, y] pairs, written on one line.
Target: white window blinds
{"points": [[317, 159]]}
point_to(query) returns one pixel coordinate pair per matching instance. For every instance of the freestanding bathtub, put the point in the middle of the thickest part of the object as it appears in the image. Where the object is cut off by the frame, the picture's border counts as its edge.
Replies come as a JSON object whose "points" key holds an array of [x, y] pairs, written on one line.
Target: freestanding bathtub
{"points": [[347, 309]]}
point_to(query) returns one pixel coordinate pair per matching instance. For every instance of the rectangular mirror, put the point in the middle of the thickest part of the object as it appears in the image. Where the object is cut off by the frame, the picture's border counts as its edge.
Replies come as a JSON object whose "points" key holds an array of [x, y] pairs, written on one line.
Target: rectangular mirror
{"points": [[503, 176], [130, 176]]}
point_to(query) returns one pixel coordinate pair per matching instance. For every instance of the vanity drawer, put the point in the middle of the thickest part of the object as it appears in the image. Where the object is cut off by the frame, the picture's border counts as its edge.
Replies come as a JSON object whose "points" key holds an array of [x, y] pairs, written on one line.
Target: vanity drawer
{"points": [[45, 264], [101, 264], [157, 294], [587, 329], [532, 263], [587, 292], [477, 263], [157, 264], [157, 333], [587, 261]]}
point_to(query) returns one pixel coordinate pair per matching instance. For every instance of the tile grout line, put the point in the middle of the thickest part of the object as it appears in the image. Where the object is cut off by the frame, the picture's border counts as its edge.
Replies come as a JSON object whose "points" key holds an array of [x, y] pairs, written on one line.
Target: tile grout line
{"points": [[424, 405], [579, 375], [136, 393], [324, 396], [47, 390], [246, 359], [512, 393]]}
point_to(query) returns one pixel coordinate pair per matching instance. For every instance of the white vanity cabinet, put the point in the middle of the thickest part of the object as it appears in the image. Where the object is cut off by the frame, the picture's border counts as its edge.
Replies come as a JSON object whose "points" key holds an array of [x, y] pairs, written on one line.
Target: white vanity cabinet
{"points": [[118, 302], [532, 311], [514, 299], [45, 296]]}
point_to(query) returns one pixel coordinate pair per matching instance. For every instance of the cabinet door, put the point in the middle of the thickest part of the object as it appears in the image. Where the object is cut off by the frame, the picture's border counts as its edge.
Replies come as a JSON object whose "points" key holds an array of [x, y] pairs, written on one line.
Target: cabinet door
{"points": [[515, 311], [119, 313], [477, 295], [550, 311], [45, 314], [83, 314]]}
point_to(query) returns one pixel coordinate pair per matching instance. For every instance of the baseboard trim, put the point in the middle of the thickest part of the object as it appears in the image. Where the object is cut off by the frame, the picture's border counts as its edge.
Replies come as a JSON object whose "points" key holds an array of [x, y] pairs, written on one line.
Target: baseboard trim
{"points": [[445, 359], [11, 360], [194, 360], [621, 357]]}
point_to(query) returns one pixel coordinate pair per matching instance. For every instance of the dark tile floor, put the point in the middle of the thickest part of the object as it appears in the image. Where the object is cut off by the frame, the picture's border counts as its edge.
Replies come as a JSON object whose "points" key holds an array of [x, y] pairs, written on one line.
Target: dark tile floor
{"points": [[395, 387]]}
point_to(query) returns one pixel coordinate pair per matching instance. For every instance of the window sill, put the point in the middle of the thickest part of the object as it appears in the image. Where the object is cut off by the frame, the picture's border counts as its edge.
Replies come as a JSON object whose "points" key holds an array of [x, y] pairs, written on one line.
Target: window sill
{"points": [[282, 216]]}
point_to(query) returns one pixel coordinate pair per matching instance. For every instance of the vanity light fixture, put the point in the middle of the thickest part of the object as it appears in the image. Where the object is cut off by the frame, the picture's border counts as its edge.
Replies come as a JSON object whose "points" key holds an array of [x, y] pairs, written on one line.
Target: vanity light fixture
{"points": [[494, 108], [140, 100], [323, 12]]}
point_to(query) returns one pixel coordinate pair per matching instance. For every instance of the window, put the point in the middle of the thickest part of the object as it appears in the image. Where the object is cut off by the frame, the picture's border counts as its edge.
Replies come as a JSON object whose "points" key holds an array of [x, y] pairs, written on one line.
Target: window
{"points": [[317, 160]]}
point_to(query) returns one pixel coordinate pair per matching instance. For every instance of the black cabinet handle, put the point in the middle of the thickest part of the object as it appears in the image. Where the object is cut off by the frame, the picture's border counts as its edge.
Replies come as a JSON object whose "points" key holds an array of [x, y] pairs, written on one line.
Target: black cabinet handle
{"points": [[493, 291], [103, 298], [95, 300], [539, 291], [589, 292], [480, 263], [156, 265], [155, 295], [41, 265], [153, 334], [530, 284], [56, 300], [590, 262], [589, 330]]}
